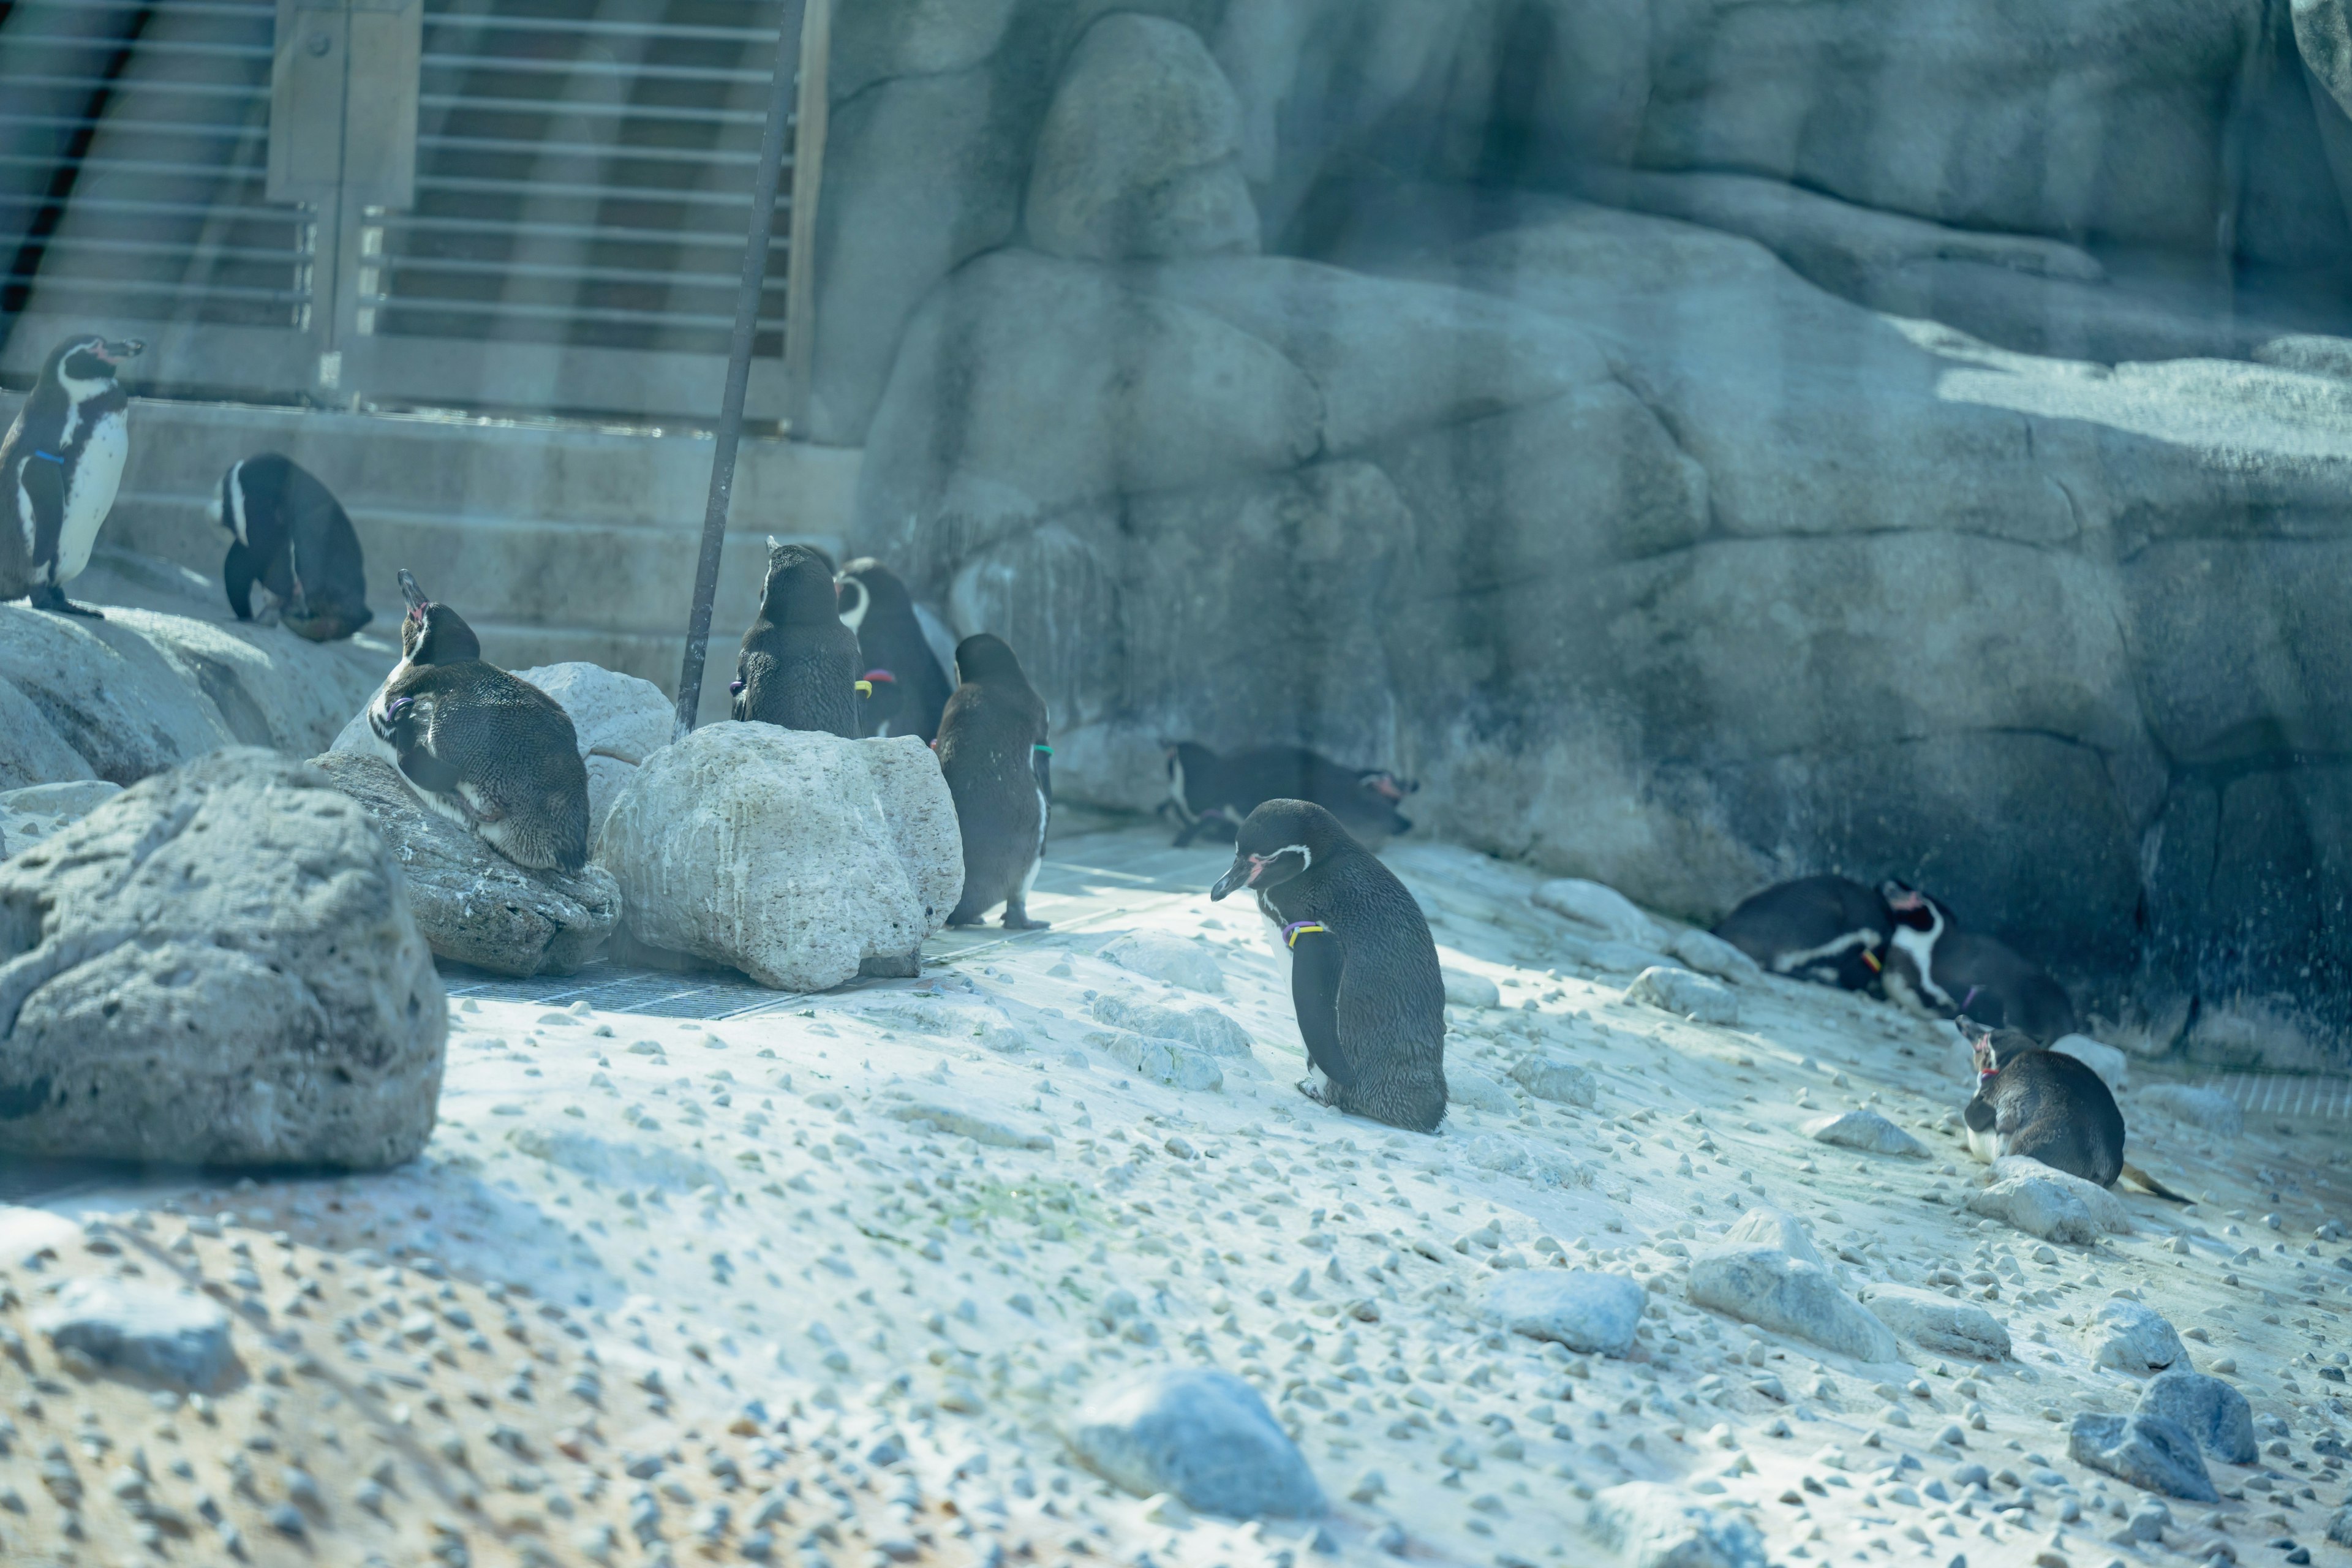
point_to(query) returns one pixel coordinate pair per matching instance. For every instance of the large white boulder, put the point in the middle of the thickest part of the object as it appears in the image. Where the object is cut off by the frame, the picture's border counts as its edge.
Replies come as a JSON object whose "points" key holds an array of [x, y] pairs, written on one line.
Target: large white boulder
{"points": [[620, 720], [786, 854], [217, 967]]}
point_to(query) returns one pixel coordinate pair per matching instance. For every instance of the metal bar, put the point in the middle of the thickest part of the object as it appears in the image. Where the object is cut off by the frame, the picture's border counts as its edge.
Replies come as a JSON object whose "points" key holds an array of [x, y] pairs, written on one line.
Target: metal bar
{"points": [[431, 305], [458, 264], [146, 89], [781, 86], [120, 124], [139, 166], [808, 177], [110, 286], [143, 209], [658, 31], [491, 65], [605, 152], [242, 13], [177, 45], [649, 111], [56, 244], [540, 188], [426, 223]]}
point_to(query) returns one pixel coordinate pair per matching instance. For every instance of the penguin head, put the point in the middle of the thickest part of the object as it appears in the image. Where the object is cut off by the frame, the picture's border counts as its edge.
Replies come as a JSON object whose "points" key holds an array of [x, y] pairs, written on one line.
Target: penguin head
{"points": [[84, 365], [1280, 840], [985, 656], [1991, 1048], [433, 633], [1911, 907], [800, 583]]}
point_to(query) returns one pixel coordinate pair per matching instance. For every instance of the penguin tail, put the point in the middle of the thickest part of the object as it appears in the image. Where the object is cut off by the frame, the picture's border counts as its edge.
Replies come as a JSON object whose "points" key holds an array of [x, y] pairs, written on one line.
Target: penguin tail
{"points": [[2150, 1184]]}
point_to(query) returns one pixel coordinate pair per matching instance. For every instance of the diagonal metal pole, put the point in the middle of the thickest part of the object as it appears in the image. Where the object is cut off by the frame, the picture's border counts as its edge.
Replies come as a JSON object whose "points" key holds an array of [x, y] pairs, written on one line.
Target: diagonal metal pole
{"points": [[782, 91]]}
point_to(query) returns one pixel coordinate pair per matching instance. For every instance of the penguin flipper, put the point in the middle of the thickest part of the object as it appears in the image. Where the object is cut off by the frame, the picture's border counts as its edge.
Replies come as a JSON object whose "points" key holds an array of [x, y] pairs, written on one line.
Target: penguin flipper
{"points": [[237, 576], [1318, 961], [41, 484]]}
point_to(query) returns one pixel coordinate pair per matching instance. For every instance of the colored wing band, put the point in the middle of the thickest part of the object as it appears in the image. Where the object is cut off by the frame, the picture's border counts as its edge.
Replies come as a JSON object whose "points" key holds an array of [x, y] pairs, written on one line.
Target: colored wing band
{"points": [[864, 688], [1297, 929], [1872, 959], [881, 675], [1046, 749], [48, 457]]}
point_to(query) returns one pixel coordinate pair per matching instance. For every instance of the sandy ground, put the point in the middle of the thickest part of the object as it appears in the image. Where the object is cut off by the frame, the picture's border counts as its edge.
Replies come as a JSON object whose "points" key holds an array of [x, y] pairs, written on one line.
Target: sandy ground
{"points": [[822, 1286]]}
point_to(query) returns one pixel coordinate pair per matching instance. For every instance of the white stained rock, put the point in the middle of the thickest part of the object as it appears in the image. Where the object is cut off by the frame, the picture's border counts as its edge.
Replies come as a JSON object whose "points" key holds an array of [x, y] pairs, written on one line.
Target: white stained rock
{"points": [[1171, 959], [1865, 1129], [2207, 1108], [2106, 1210], [1466, 1086], [1172, 1062], [620, 720], [1600, 913], [786, 854], [958, 1124], [1708, 953], [1583, 1310], [31, 814], [1200, 1435], [2112, 1067], [172, 1336], [1764, 1271], [1685, 994], [2135, 1338], [1654, 1526], [1563, 1083], [1463, 989], [1765, 1225], [1207, 1027], [218, 966], [1938, 1323]]}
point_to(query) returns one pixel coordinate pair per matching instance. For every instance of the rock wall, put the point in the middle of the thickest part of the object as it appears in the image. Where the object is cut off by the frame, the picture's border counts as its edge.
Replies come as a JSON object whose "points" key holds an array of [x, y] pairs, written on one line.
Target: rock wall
{"points": [[1702, 442]]}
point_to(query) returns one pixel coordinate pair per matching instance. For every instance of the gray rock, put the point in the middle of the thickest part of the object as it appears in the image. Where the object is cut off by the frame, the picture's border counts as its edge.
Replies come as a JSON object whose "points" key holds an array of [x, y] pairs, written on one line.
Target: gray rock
{"points": [[1764, 1225], [2112, 1065], [1463, 989], [1137, 156], [2148, 1451], [1938, 1323], [473, 904], [1863, 1128], [2208, 1409], [2207, 1108], [1680, 992], [957, 1123], [1202, 1435], [31, 750], [1562, 1083], [279, 1006], [1598, 912], [31, 814], [2322, 32], [1654, 1526], [1158, 956], [2135, 1338], [1707, 953], [1767, 1287], [2106, 1210], [2039, 1206], [786, 854], [2340, 1527], [174, 1337], [1589, 1312], [1207, 1028], [1171, 1062], [1464, 1086]]}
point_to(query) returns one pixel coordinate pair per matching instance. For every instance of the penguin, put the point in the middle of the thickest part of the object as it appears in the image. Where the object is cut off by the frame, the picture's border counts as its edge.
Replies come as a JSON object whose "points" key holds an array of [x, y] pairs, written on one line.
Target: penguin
{"points": [[60, 465], [292, 554], [494, 754], [1207, 793], [2038, 1104], [1828, 930], [994, 750], [798, 667], [910, 686], [1363, 969], [1937, 970]]}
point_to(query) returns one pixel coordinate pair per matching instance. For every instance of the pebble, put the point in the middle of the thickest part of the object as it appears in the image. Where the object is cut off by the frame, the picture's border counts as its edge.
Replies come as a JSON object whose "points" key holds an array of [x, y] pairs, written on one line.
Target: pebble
{"points": [[1200, 1435], [2148, 1451]]}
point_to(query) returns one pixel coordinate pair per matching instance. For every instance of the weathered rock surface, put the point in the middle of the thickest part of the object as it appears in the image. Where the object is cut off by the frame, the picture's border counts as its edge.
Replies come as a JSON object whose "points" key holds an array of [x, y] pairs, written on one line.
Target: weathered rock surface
{"points": [[1589, 1312], [1938, 1323], [1864, 1130], [1688, 996], [1599, 913], [1207, 1027], [1464, 1086], [1139, 155], [1765, 1286], [2150, 1452], [1463, 989], [218, 966], [30, 814], [2045, 1202], [1200, 1435], [1764, 1225], [1654, 1526], [178, 1338], [1161, 957], [788, 854], [2208, 1409], [1172, 1062], [1708, 953], [2132, 1337], [2105, 1209], [473, 904], [1563, 1083]]}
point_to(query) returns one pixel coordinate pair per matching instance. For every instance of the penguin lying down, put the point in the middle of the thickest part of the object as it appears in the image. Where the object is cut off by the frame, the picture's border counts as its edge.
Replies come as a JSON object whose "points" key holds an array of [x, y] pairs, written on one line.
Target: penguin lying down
{"points": [[2039, 1104], [1207, 793], [494, 754]]}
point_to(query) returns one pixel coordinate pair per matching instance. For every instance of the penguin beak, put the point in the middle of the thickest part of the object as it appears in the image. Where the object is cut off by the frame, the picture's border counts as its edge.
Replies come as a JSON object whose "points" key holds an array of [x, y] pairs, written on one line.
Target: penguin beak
{"points": [[1242, 873], [418, 603]]}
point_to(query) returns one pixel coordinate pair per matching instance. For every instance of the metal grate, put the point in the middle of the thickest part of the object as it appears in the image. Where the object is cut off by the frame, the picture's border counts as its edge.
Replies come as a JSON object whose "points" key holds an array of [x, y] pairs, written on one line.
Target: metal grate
{"points": [[133, 153], [581, 181]]}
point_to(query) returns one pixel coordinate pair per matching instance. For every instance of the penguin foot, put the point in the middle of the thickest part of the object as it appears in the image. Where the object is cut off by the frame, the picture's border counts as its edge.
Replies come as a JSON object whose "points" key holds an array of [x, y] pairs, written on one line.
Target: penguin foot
{"points": [[50, 598], [1023, 923], [1317, 1088]]}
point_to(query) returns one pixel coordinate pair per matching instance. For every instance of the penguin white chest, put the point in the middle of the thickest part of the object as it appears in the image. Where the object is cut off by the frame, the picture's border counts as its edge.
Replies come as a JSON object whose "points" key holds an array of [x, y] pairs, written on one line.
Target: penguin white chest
{"points": [[1985, 1145], [89, 491]]}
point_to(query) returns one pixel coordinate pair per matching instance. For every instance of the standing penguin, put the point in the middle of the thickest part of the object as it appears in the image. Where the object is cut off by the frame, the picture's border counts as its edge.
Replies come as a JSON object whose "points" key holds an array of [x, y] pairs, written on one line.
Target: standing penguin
{"points": [[1363, 969], [798, 667], [494, 754], [60, 464], [911, 689], [1828, 930], [1936, 970], [292, 549], [2038, 1104], [993, 747]]}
